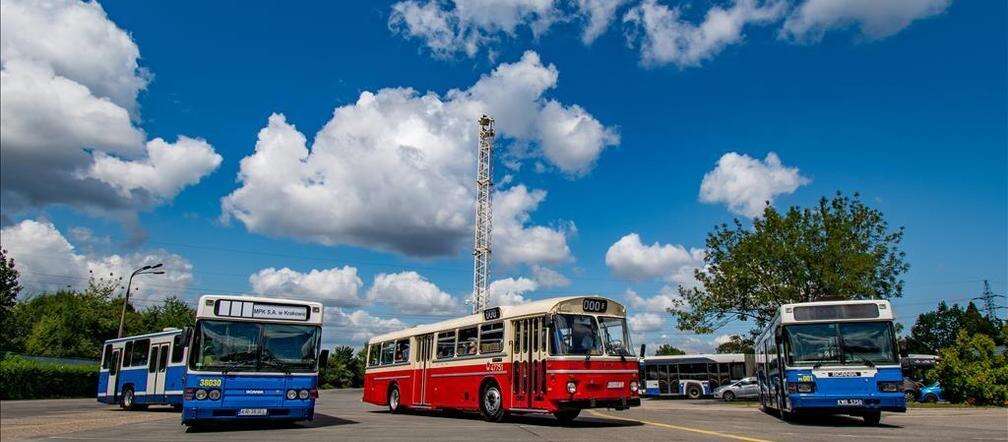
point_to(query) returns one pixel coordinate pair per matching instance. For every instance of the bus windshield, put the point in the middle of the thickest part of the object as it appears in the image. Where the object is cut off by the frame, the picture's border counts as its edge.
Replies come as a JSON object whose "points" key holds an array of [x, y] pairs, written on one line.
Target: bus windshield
{"points": [[856, 343], [576, 335], [616, 335], [247, 346]]}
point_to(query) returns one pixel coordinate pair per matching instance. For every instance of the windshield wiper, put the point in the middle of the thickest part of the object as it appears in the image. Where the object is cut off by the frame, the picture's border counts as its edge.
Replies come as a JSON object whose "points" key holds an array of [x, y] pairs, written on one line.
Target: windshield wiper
{"points": [[823, 359], [234, 362], [867, 361], [273, 361]]}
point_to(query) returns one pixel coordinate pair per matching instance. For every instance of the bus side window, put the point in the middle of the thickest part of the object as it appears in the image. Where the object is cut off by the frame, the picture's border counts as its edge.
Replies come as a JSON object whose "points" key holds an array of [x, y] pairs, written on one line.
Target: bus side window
{"points": [[106, 356], [140, 349], [374, 354], [402, 350], [491, 338], [178, 347], [152, 364], [388, 349], [446, 345], [466, 342], [127, 354]]}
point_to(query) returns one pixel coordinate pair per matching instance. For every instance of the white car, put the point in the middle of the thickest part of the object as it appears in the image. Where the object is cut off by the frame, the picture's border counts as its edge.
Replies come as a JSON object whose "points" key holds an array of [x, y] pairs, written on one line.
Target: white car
{"points": [[744, 389]]}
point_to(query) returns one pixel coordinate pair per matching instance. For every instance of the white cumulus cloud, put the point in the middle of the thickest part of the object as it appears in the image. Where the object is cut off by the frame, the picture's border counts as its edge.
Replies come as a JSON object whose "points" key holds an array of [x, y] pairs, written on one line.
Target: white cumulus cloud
{"points": [[69, 81], [665, 37], [745, 184], [47, 261], [333, 287], [395, 170], [510, 291], [666, 298], [645, 322], [355, 327], [875, 19], [549, 278], [630, 258], [409, 292]]}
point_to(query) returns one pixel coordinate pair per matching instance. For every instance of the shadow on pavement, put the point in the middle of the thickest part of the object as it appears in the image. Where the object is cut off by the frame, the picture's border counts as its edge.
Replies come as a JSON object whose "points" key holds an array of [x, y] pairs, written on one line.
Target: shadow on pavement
{"points": [[321, 421], [837, 420], [527, 419]]}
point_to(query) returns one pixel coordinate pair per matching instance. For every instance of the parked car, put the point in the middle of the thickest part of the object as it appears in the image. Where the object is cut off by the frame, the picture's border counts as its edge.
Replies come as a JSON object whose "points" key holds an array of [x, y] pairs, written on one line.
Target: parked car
{"points": [[746, 388], [931, 393]]}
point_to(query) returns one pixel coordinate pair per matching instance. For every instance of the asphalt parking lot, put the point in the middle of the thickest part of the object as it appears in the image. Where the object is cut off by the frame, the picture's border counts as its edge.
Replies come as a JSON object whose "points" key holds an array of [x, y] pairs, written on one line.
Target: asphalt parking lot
{"points": [[341, 415]]}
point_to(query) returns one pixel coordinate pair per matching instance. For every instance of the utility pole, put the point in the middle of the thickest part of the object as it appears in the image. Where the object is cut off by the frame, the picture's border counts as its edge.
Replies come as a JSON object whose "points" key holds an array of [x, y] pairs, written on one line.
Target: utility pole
{"points": [[145, 270], [989, 299], [484, 187]]}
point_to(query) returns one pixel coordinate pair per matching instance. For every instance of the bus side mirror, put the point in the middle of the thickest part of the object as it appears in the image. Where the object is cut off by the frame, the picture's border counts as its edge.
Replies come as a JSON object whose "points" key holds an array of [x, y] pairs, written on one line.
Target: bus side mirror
{"points": [[323, 359], [642, 348]]}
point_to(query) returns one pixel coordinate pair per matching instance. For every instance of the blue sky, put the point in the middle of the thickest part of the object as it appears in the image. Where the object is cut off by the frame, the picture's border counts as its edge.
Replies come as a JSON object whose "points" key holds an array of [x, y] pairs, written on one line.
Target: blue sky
{"points": [[909, 110]]}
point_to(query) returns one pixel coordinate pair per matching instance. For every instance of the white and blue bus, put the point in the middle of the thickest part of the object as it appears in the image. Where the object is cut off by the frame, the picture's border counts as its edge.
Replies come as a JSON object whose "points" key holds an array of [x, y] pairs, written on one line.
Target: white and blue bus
{"points": [[245, 358], [138, 371], [692, 376], [834, 357]]}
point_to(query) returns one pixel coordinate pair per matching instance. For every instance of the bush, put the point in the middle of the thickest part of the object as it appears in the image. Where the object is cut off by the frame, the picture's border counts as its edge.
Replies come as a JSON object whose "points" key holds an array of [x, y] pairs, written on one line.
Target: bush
{"points": [[22, 378], [972, 371]]}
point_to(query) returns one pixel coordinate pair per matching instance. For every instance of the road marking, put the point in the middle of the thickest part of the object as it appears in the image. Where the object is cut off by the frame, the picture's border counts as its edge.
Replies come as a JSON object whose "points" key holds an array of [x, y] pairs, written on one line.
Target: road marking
{"points": [[677, 427]]}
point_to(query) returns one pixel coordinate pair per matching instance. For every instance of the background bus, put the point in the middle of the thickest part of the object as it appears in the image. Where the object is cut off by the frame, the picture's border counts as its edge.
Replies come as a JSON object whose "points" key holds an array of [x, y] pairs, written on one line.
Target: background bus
{"points": [[253, 358], [836, 357], [554, 356], [137, 371], [693, 376]]}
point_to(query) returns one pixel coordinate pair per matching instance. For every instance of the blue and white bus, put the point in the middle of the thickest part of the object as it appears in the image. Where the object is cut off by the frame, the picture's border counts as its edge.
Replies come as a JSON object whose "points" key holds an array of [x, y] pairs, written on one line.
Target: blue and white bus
{"points": [[245, 358], [138, 371], [834, 357], [692, 376]]}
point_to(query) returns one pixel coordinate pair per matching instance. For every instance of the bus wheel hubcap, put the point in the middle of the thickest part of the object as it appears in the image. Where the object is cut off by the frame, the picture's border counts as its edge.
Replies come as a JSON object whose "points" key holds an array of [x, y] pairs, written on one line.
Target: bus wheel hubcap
{"points": [[395, 400], [492, 400]]}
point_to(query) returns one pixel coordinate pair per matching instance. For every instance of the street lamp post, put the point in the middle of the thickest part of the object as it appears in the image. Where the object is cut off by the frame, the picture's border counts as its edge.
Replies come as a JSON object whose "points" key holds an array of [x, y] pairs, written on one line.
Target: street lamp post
{"points": [[145, 270]]}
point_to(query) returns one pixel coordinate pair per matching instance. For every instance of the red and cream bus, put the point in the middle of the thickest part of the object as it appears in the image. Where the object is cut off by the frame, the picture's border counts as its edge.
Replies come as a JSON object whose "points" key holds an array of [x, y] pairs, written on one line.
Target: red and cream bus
{"points": [[555, 356]]}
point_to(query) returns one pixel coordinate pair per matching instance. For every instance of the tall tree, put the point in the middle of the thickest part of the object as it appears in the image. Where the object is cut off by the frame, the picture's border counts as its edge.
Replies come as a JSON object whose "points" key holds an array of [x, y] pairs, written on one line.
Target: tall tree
{"points": [[939, 328], [736, 344], [668, 350], [839, 249], [9, 290]]}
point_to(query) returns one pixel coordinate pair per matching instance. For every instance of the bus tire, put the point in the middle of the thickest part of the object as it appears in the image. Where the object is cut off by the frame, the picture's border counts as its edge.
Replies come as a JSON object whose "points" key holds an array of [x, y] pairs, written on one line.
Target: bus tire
{"points": [[491, 402], [693, 392], [728, 396], [394, 404], [567, 416], [872, 418], [128, 400]]}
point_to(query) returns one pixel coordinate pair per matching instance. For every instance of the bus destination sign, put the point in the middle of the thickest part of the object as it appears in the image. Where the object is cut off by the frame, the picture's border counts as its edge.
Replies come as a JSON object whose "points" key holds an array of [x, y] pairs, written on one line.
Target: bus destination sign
{"points": [[491, 314], [261, 310], [595, 305]]}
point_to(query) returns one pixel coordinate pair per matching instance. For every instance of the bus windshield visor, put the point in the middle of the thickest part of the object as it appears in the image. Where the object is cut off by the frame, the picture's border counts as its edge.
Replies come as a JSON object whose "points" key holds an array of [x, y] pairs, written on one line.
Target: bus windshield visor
{"points": [[854, 343], [246, 346], [576, 335], [616, 335]]}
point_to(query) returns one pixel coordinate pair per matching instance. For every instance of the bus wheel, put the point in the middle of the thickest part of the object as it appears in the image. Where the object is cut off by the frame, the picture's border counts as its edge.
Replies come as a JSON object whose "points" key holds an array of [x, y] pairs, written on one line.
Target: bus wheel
{"points": [[128, 401], [491, 405], [393, 399], [728, 396], [567, 416], [873, 418], [693, 392]]}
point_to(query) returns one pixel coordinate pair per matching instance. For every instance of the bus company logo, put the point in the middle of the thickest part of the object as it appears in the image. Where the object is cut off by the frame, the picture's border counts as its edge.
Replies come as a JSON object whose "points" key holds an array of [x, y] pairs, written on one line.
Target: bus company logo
{"points": [[845, 374], [208, 382], [254, 392]]}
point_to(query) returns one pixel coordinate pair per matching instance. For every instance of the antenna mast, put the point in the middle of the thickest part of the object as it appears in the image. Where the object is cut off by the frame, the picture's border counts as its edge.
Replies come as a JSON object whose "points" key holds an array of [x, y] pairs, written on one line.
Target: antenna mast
{"points": [[484, 184]]}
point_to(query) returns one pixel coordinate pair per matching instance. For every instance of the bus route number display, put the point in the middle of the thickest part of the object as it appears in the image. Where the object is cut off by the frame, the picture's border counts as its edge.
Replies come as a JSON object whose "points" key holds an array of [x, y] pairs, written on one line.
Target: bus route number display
{"points": [[592, 305], [491, 314]]}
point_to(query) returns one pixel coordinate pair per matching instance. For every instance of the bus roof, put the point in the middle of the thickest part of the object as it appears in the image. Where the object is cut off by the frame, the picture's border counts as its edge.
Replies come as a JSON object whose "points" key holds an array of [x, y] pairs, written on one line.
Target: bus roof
{"points": [[831, 311], [259, 309], [506, 311], [167, 331], [703, 357]]}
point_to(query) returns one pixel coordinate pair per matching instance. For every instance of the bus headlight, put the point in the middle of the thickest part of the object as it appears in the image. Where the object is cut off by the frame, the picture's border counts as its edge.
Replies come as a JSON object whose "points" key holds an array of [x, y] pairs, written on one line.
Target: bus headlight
{"points": [[201, 394], [571, 387], [633, 386], [214, 394], [303, 394], [889, 386], [291, 394]]}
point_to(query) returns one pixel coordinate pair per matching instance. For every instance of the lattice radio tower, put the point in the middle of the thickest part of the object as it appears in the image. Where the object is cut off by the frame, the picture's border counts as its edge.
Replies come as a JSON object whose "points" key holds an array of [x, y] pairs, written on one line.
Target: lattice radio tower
{"points": [[484, 186]]}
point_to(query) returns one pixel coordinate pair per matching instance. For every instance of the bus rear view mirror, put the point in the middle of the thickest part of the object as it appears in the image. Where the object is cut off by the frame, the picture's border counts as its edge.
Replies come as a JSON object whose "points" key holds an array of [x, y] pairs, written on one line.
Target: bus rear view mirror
{"points": [[323, 359]]}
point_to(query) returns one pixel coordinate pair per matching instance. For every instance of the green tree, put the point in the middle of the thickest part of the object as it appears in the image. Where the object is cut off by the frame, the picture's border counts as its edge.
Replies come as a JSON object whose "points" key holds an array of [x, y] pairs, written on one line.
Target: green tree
{"points": [[668, 350], [973, 371], [173, 312], [9, 290], [736, 344], [940, 328], [840, 249]]}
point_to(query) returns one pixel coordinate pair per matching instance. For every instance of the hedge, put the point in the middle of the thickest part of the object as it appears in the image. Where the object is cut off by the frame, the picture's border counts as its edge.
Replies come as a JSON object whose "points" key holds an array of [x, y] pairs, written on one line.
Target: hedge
{"points": [[22, 378]]}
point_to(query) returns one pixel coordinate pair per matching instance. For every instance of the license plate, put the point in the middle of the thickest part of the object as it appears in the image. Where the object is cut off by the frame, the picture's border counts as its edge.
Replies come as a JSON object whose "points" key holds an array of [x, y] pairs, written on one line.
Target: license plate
{"points": [[850, 402], [615, 384], [252, 412]]}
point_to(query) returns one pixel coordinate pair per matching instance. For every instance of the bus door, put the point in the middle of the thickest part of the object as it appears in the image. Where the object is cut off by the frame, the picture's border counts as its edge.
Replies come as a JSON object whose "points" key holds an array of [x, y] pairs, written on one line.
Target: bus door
{"points": [[424, 354], [528, 367], [112, 388], [156, 372]]}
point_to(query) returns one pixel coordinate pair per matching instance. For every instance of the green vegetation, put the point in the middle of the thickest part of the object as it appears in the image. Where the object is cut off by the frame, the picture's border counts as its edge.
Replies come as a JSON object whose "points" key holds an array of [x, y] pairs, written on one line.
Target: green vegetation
{"points": [[22, 378], [668, 350], [737, 344], [345, 369], [840, 249], [940, 328], [972, 371]]}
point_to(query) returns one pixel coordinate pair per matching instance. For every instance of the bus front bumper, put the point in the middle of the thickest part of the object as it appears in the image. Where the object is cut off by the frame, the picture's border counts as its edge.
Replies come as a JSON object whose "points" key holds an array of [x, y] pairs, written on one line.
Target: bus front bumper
{"points": [[847, 404], [617, 404], [287, 413]]}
